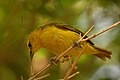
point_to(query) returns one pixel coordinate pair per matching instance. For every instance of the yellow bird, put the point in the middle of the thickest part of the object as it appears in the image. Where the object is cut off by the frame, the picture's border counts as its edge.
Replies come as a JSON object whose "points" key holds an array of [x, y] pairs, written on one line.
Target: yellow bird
{"points": [[57, 37]]}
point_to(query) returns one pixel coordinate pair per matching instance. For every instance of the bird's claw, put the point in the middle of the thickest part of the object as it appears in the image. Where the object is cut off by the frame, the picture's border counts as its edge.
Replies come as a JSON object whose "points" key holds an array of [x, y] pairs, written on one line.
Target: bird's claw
{"points": [[53, 60]]}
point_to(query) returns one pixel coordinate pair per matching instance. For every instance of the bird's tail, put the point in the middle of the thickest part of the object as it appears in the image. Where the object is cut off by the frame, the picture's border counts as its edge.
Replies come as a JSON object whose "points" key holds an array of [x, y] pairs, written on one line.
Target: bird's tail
{"points": [[101, 53]]}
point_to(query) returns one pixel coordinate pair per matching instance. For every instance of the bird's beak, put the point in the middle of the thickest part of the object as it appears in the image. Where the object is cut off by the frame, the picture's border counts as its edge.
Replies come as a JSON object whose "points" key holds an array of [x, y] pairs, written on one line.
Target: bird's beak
{"points": [[31, 55]]}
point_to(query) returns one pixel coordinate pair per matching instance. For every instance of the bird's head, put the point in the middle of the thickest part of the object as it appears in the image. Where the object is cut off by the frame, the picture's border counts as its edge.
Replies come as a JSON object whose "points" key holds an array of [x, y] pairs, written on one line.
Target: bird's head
{"points": [[33, 43]]}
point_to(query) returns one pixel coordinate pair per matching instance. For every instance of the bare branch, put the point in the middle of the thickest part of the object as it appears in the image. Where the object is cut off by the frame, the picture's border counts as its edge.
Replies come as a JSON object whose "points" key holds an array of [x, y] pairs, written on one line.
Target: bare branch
{"points": [[94, 35], [85, 34], [74, 64], [40, 72], [42, 77], [73, 75]]}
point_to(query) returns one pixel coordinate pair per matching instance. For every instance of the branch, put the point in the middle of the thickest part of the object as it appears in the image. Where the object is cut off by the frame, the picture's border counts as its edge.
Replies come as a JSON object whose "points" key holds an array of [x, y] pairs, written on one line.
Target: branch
{"points": [[94, 35], [40, 72], [73, 75], [42, 77], [85, 34], [74, 64]]}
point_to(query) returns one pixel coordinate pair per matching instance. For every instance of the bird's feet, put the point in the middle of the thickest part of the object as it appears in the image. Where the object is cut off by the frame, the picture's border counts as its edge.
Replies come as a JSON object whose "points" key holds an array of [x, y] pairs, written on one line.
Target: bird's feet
{"points": [[62, 60], [54, 61]]}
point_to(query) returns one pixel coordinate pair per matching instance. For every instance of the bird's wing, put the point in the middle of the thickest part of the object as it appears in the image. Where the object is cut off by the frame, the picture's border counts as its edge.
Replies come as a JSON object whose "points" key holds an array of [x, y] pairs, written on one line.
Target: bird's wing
{"points": [[64, 26], [68, 27]]}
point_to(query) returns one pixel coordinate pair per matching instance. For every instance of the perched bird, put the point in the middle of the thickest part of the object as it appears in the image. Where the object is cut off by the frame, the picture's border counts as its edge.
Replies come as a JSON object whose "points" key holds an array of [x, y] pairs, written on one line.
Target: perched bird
{"points": [[57, 37]]}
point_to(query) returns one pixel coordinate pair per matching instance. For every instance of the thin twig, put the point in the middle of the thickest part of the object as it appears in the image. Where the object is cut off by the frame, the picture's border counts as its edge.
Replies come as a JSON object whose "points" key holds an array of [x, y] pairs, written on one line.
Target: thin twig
{"points": [[42, 77], [85, 34], [73, 75], [94, 35], [32, 69], [44, 69], [21, 77], [74, 64]]}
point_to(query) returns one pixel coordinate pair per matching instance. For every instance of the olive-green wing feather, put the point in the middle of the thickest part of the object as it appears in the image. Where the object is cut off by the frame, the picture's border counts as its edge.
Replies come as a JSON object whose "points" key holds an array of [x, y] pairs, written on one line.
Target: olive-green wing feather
{"points": [[70, 28]]}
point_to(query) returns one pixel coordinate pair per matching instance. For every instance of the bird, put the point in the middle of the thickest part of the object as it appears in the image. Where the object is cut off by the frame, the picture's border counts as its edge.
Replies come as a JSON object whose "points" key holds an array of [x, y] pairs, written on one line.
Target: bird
{"points": [[58, 36]]}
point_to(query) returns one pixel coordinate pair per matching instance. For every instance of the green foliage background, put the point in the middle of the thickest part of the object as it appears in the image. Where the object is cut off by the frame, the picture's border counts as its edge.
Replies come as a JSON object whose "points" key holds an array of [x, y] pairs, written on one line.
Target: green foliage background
{"points": [[19, 17]]}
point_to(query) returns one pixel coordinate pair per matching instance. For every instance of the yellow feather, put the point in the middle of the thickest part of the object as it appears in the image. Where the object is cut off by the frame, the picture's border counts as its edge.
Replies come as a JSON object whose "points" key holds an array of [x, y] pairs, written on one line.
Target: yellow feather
{"points": [[57, 40]]}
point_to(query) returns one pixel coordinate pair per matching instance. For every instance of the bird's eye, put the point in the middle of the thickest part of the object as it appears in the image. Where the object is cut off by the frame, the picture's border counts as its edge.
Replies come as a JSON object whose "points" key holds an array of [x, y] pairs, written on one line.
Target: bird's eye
{"points": [[29, 45]]}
